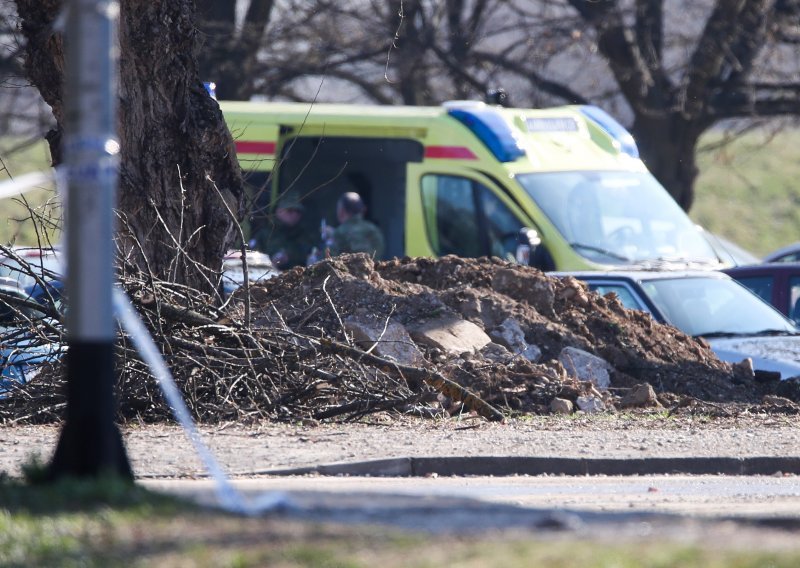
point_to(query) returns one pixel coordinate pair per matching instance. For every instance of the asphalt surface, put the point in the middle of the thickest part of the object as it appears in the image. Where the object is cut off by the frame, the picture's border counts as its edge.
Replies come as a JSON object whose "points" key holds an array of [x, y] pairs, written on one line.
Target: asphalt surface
{"points": [[456, 477]]}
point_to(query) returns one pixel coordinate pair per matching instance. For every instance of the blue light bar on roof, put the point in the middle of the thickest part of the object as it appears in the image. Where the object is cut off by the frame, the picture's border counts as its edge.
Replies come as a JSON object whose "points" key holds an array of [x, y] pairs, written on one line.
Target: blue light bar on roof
{"points": [[613, 128], [490, 128]]}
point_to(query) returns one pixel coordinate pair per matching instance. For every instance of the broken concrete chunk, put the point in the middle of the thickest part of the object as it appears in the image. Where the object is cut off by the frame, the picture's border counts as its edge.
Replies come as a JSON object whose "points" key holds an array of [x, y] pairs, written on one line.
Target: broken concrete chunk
{"points": [[510, 334], [743, 370], [451, 334], [496, 353], [393, 341], [573, 291], [590, 404], [586, 367], [640, 396], [561, 406]]}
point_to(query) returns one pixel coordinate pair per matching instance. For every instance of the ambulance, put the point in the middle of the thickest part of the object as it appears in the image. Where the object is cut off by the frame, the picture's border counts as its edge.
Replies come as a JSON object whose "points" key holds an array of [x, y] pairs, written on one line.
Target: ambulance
{"points": [[560, 188]]}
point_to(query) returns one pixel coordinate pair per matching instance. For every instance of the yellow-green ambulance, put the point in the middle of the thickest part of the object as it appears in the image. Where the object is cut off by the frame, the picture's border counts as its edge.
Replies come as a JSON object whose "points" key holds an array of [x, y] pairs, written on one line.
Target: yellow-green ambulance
{"points": [[564, 185]]}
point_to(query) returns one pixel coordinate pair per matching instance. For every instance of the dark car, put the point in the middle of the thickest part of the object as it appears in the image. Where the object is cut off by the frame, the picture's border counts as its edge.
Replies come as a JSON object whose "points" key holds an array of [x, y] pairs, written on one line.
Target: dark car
{"points": [[736, 323], [789, 253], [777, 283]]}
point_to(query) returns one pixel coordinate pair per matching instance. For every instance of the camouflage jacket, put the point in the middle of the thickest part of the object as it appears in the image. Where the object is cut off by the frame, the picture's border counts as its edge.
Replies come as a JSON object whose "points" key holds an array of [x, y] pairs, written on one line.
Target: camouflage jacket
{"points": [[295, 242], [357, 235]]}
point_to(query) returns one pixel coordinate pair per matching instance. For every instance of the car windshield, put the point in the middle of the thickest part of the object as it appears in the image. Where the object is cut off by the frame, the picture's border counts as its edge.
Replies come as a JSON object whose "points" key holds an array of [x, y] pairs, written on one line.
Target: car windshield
{"points": [[618, 217], [12, 313], [234, 273], [45, 265], [709, 306]]}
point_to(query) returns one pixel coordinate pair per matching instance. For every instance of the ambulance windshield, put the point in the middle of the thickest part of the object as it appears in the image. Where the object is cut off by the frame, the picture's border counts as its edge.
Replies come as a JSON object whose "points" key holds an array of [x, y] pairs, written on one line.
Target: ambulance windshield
{"points": [[614, 217]]}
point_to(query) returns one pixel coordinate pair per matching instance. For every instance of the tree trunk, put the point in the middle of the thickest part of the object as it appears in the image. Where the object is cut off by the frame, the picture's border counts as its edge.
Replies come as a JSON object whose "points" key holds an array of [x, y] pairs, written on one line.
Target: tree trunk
{"points": [[670, 156], [180, 179], [179, 176], [44, 60]]}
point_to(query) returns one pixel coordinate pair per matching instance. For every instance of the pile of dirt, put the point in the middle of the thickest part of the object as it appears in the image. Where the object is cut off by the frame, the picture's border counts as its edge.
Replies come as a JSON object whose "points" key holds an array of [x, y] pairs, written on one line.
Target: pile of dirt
{"points": [[348, 337], [647, 363]]}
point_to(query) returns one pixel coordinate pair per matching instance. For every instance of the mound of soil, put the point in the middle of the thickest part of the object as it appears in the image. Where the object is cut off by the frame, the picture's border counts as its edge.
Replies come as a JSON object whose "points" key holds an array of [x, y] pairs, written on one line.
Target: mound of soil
{"points": [[552, 314], [347, 337]]}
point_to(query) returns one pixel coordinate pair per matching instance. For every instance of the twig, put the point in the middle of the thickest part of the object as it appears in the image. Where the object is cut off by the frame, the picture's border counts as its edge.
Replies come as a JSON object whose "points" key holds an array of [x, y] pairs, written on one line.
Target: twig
{"points": [[243, 249], [333, 307], [430, 378]]}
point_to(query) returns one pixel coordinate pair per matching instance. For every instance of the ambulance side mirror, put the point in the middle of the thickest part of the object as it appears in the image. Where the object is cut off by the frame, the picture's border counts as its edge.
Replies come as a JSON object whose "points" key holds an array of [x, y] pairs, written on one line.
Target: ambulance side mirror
{"points": [[528, 241]]}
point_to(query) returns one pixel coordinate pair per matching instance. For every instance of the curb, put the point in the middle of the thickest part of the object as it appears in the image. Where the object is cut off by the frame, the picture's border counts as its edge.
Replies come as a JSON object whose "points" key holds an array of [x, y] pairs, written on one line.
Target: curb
{"points": [[507, 466]]}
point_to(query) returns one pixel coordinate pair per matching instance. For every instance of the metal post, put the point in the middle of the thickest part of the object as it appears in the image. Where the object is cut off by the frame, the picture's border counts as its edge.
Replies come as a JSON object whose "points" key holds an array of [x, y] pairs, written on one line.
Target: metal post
{"points": [[90, 443]]}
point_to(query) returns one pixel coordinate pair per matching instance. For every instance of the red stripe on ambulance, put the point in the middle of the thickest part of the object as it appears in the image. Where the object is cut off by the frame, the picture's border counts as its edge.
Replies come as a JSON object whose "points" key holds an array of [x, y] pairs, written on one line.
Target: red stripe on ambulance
{"points": [[450, 153], [252, 147]]}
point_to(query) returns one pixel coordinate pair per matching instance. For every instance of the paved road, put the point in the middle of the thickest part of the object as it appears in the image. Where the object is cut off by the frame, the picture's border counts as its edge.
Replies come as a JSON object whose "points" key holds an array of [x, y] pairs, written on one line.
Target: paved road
{"points": [[708, 496], [604, 507], [431, 455]]}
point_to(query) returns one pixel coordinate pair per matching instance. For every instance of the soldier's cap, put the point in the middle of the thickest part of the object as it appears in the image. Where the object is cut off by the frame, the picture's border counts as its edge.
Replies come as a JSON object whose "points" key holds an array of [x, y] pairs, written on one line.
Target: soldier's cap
{"points": [[290, 200]]}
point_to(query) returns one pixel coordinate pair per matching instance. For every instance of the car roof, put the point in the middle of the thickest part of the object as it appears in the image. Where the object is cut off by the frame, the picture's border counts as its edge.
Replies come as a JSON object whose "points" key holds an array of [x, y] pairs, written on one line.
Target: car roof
{"points": [[8, 282], [12, 291], [783, 251], [763, 268], [641, 275]]}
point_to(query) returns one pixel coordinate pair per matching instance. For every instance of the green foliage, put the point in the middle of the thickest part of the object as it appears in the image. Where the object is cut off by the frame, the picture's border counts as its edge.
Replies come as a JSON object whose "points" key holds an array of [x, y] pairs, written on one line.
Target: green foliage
{"points": [[31, 219], [76, 522], [109, 522], [748, 189]]}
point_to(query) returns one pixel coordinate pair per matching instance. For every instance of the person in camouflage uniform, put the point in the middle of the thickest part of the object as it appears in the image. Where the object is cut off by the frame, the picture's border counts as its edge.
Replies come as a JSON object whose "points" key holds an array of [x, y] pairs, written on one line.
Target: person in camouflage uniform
{"points": [[354, 233], [288, 239]]}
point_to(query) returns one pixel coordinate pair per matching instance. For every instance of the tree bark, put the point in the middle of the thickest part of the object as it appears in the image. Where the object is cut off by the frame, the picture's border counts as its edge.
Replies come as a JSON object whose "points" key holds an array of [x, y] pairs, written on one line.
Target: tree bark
{"points": [[44, 61], [178, 161], [178, 158], [670, 157]]}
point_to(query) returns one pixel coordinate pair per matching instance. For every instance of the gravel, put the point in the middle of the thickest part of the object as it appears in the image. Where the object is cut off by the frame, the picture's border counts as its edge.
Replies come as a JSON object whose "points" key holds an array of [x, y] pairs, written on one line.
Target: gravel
{"points": [[164, 451]]}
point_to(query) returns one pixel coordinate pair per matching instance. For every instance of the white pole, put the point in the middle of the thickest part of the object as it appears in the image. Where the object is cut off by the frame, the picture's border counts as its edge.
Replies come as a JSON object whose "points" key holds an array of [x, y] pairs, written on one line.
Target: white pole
{"points": [[90, 442]]}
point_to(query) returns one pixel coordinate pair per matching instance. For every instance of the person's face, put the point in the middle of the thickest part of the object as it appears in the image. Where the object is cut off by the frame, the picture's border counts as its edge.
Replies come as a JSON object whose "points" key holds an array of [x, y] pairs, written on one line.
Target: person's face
{"points": [[341, 214], [288, 217]]}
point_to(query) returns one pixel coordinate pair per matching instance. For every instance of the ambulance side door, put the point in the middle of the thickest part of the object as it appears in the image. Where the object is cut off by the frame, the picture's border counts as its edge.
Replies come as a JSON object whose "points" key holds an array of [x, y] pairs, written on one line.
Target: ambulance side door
{"points": [[455, 210]]}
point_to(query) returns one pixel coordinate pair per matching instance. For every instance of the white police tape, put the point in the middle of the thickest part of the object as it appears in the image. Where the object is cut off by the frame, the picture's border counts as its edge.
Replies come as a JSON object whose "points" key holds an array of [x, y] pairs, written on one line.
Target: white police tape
{"points": [[229, 498], [24, 183]]}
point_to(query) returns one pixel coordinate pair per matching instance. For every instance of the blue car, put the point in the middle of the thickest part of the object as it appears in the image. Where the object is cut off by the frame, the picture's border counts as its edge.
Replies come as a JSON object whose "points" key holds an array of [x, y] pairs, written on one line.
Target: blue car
{"points": [[49, 292], [21, 351]]}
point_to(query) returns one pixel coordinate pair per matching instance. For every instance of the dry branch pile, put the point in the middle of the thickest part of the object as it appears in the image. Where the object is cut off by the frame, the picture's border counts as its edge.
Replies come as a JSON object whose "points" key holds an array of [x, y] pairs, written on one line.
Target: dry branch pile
{"points": [[290, 349]]}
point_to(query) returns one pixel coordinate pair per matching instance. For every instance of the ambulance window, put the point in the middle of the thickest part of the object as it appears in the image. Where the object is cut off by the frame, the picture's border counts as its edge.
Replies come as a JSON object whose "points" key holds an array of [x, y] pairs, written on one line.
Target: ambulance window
{"points": [[466, 218], [450, 215], [502, 226]]}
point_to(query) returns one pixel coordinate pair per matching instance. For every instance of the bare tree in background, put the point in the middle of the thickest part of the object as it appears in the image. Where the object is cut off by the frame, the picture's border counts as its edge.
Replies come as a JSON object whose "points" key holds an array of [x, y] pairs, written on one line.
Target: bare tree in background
{"points": [[671, 70], [228, 52], [179, 177], [22, 119]]}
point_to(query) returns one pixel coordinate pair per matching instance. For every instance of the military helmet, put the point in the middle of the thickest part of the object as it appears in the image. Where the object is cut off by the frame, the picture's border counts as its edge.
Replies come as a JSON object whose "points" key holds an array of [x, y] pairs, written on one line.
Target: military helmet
{"points": [[290, 199]]}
